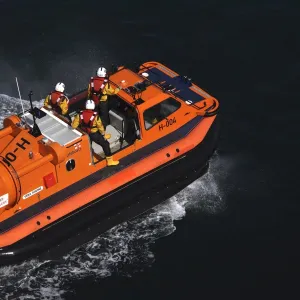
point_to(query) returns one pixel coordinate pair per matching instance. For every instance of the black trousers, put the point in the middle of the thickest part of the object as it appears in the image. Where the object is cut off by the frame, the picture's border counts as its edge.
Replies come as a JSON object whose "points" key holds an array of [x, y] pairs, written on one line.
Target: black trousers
{"points": [[98, 138], [68, 117], [103, 109]]}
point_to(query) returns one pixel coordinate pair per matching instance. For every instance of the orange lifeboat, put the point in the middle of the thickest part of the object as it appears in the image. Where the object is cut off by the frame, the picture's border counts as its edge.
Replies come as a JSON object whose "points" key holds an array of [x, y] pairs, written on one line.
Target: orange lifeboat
{"points": [[54, 183]]}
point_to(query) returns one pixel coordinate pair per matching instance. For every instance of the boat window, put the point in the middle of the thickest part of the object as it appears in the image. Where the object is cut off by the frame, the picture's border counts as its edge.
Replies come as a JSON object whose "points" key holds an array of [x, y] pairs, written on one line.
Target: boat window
{"points": [[70, 165], [160, 111]]}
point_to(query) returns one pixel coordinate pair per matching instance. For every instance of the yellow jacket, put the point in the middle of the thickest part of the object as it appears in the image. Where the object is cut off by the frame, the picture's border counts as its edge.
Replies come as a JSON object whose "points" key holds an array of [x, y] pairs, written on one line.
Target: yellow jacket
{"points": [[106, 91], [63, 104], [97, 124]]}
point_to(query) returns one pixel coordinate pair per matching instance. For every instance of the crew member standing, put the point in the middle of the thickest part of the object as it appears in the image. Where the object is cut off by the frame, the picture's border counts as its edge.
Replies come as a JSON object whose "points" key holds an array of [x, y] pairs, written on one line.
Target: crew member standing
{"points": [[98, 90], [88, 120], [58, 101]]}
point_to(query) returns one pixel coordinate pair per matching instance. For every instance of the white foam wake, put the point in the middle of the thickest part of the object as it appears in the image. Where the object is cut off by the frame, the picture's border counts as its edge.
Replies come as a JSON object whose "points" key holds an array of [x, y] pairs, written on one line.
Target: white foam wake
{"points": [[124, 249], [11, 105]]}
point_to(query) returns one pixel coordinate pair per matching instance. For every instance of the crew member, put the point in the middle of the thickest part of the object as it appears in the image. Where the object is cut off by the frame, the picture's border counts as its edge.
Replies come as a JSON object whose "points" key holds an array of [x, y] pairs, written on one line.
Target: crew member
{"points": [[89, 121], [98, 90], [58, 101]]}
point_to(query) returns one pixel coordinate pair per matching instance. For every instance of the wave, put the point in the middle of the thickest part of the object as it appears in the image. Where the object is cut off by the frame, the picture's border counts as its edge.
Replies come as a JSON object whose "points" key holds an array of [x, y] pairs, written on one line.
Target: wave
{"points": [[10, 105]]}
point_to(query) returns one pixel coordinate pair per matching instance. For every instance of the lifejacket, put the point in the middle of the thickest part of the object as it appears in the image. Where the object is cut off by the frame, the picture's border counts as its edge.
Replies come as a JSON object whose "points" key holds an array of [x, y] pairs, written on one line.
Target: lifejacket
{"points": [[55, 98], [86, 120], [97, 85]]}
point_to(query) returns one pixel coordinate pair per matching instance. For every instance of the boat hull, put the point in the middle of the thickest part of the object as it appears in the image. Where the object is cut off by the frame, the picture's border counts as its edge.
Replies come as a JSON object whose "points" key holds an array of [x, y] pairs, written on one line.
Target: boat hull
{"points": [[125, 203]]}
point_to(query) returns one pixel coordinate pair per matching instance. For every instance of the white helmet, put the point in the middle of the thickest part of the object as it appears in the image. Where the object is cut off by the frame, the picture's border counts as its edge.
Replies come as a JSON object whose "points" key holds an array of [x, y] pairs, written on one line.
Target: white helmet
{"points": [[101, 72], [90, 104], [60, 87]]}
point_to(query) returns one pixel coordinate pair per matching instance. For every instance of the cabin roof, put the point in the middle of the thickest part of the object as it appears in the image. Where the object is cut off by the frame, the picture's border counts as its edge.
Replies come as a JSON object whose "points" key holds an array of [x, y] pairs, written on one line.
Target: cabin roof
{"points": [[127, 79], [158, 78]]}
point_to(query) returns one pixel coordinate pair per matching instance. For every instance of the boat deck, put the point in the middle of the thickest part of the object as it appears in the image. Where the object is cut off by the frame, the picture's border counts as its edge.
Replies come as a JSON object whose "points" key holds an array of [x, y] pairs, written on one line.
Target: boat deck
{"points": [[53, 128], [115, 130], [61, 132]]}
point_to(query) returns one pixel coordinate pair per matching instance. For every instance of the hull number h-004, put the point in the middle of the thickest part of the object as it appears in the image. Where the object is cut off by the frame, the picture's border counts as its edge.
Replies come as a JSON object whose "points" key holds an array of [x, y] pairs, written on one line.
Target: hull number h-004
{"points": [[169, 122]]}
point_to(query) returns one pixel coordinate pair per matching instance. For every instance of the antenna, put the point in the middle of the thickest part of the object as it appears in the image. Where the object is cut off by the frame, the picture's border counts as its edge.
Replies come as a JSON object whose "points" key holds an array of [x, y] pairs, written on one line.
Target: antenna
{"points": [[35, 131], [20, 99]]}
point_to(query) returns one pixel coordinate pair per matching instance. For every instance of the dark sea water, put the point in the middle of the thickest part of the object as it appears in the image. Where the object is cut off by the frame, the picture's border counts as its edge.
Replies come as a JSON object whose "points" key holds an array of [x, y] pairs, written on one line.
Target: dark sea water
{"points": [[231, 235]]}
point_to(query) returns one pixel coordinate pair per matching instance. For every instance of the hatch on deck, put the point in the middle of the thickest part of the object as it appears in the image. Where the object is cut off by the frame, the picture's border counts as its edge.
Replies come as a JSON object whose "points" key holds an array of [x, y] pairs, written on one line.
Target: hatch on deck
{"points": [[53, 128]]}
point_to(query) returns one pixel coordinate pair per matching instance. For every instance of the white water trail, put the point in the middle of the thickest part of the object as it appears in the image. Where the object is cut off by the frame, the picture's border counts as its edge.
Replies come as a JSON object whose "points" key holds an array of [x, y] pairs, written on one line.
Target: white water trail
{"points": [[125, 249], [11, 105]]}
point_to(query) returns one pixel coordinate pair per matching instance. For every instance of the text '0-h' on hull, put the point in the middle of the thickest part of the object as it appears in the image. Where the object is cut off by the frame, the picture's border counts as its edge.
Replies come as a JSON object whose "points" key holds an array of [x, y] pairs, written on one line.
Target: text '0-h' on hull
{"points": [[54, 182]]}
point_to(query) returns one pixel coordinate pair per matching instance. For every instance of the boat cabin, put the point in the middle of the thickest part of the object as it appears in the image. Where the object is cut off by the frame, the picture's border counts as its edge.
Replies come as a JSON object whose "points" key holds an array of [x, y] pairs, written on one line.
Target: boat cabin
{"points": [[152, 103]]}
